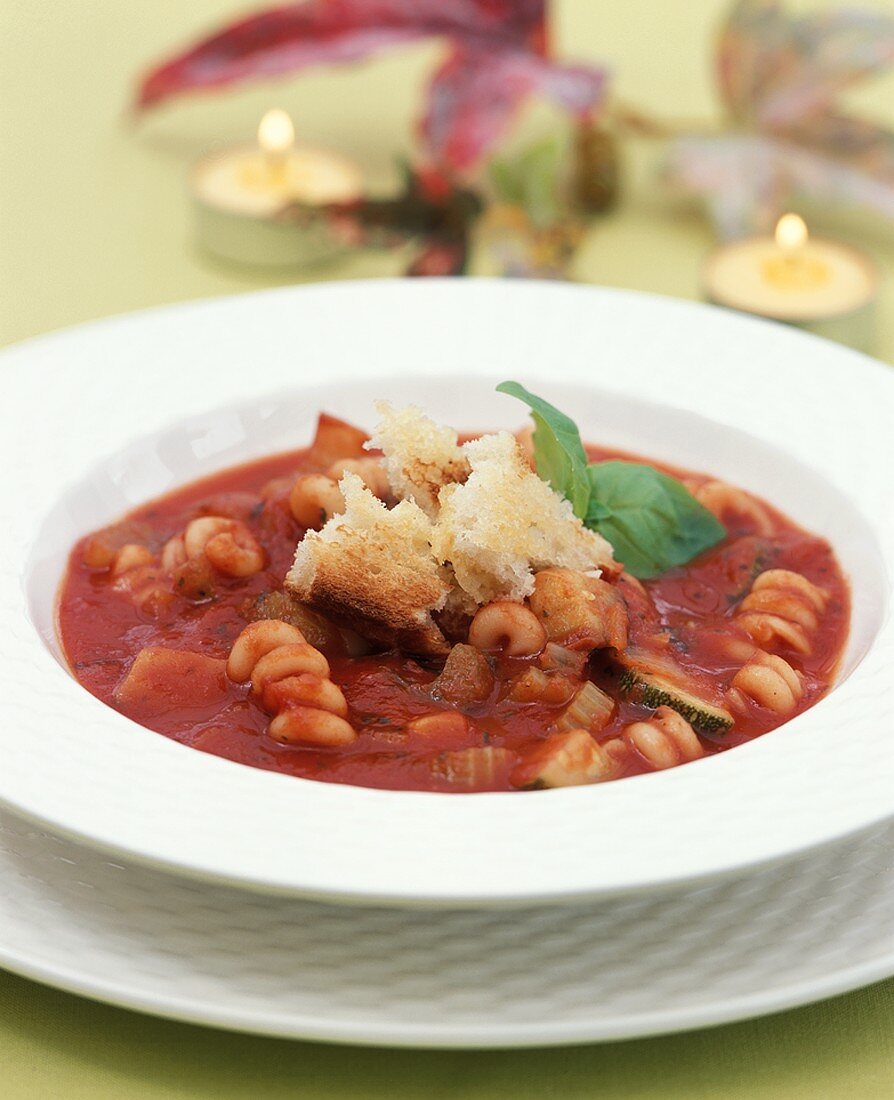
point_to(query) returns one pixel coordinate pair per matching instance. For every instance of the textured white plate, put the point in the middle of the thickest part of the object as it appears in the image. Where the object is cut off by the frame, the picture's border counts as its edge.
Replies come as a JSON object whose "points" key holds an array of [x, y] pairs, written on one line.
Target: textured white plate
{"points": [[636, 371], [604, 970]]}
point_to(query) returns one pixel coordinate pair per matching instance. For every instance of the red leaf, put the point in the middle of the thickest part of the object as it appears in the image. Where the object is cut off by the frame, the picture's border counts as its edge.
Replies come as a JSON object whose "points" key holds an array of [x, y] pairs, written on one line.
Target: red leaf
{"points": [[475, 95], [321, 32], [498, 58]]}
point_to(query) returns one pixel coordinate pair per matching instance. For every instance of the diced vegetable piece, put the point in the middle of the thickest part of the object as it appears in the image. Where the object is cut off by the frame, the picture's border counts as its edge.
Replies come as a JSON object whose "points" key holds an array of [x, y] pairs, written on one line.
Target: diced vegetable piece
{"points": [[536, 686], [336, 439], [570, 661], [146, 586], [465, 678], [316, 628], [529, 686], [742, 561], [579, 611], [455, 617], [590, 709], [567, 759], [101, 549], [277, 605], [162, 680], [195, 579], [656, 682], [642, 614], [487, 766]]}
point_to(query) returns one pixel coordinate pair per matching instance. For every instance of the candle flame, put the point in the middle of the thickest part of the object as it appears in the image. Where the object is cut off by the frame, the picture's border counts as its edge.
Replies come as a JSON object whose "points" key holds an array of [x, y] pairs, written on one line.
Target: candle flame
{"points": [[791, 232], [276, 134]]}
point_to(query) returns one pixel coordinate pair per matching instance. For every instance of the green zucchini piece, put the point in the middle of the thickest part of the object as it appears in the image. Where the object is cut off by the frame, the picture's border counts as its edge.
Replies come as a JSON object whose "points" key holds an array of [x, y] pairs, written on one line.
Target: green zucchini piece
{"points": [[641, 685]]}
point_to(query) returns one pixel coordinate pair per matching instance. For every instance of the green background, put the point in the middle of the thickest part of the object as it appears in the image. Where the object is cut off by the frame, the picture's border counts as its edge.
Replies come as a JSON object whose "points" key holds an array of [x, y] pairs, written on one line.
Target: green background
{"points": [[95, 219]]}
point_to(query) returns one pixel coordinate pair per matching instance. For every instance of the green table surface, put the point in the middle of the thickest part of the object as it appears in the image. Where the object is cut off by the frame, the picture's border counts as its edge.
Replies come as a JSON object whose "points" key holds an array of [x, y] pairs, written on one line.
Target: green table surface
{"points": [[94, 220]]}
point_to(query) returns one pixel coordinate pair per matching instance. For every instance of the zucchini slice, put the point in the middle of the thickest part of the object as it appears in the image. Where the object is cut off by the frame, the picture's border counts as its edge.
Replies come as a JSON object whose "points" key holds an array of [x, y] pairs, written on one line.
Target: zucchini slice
{"points": [[643, 685]]}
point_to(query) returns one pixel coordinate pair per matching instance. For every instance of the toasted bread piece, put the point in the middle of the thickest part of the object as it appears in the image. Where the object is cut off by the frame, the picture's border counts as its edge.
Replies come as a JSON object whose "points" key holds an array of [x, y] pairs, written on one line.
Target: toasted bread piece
{"points": [[372, 569], [504, 523], [420, 456]]}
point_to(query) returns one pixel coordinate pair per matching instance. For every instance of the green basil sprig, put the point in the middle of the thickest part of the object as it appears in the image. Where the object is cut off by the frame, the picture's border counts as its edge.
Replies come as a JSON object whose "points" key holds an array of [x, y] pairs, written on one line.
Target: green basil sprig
{"points": [[558, 450], [651, 520]]}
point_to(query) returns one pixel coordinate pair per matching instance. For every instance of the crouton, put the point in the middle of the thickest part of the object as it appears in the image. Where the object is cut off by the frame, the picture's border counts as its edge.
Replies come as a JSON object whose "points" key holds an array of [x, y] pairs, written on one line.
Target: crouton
{"points": [[372, 569], [474, 524], [504, 523], [420, 456]]}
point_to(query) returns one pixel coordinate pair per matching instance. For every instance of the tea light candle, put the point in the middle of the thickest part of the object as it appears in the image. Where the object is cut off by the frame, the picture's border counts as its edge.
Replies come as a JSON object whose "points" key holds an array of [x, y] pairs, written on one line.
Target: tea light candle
{"points": [[242, 192], [824, 286]]}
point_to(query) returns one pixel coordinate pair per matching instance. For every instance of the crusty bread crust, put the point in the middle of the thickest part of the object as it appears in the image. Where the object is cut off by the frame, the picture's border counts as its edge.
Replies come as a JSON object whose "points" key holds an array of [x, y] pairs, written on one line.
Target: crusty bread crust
{"points": [[474, 524], [372, 570], [366, 590]]}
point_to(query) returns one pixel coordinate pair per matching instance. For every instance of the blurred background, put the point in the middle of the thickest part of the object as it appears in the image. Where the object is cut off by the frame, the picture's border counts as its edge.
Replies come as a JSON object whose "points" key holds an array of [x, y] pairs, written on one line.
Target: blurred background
{"points": [[98, 214]]}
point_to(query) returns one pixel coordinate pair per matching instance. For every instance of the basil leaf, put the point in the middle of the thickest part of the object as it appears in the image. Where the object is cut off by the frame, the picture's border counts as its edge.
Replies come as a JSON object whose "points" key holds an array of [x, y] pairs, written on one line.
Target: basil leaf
{"points": [[651, 520], [596, 511], [654, 522], [559, 454]]}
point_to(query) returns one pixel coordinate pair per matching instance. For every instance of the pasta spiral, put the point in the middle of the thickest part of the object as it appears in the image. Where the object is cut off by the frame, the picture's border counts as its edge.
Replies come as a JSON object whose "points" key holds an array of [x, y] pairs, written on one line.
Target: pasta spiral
{"points": [[664, 740], [507, 626], [315, 498], [131, 556], [724, 499], [768, 680], [291, 680], [370, 471], [226, 543], [784, 608]]}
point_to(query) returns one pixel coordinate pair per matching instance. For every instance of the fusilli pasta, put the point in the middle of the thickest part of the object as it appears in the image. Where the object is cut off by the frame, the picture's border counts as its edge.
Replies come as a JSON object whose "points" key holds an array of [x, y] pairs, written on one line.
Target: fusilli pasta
{"points": [[768, 680], [783, 608], [664, 740], [724, 500]]}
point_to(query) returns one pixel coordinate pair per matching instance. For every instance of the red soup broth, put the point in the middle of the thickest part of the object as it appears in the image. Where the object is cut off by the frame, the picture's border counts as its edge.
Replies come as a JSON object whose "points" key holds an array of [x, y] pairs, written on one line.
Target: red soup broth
{"points": [[686, 615]]}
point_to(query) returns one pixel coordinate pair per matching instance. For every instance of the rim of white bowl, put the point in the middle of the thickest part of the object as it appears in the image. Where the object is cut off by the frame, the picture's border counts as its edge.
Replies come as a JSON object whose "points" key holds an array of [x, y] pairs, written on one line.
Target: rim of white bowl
{"points": [[83, 769]]}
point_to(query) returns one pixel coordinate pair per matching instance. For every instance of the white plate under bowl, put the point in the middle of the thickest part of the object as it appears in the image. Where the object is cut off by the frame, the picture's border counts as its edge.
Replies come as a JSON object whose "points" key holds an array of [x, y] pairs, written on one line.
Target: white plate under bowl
{"points": [[106, 416], [610, 969]]}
